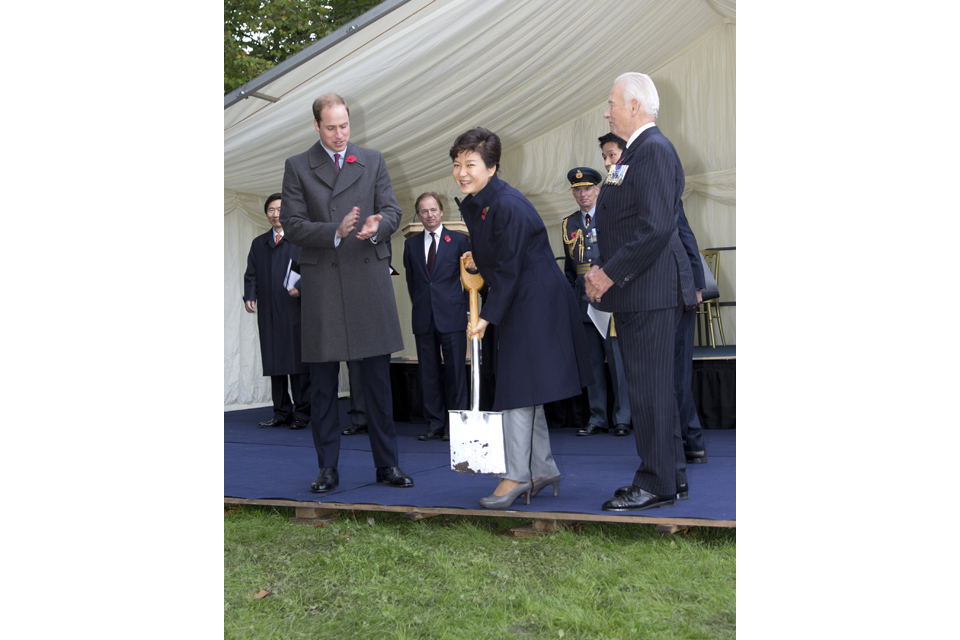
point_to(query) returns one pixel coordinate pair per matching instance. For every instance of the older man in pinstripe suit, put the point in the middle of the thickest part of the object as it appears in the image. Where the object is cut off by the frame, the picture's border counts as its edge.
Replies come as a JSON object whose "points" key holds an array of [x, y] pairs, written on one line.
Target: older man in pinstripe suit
{"points": [[644, 277]]}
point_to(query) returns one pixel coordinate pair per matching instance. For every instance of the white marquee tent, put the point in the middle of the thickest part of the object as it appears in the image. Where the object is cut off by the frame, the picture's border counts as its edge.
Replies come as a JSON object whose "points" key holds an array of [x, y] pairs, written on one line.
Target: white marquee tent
{"points": [[536, 72]]}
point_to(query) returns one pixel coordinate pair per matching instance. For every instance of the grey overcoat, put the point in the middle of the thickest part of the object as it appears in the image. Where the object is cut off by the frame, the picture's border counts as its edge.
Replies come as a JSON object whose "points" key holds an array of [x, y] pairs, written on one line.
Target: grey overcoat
{"points": [[348, 307]]}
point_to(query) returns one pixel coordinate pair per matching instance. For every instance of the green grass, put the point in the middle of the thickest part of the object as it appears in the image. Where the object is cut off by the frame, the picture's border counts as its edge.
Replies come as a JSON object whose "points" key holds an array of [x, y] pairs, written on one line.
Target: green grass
{"points": [[375, 575]]}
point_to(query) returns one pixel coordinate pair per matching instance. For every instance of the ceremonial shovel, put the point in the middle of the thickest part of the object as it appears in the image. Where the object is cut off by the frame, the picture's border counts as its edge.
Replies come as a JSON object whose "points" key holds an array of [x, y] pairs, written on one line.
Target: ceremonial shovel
{"points": [[476, 437]]}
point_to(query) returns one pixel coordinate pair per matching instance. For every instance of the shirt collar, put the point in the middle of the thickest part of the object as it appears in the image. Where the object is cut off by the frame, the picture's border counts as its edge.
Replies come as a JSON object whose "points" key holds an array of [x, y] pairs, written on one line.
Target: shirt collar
{"points": [[591, 213], [343, 154], [637, 133], [439, 232]]}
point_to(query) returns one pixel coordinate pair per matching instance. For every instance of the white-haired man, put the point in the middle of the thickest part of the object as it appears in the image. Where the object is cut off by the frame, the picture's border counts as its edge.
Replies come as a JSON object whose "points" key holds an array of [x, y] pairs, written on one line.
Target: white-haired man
{"points": [[642, 254]]}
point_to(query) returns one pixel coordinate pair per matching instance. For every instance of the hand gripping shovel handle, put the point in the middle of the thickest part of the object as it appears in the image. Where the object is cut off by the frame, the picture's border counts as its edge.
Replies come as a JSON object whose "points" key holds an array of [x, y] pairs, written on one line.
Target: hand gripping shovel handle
{"points": [[472, 282]]}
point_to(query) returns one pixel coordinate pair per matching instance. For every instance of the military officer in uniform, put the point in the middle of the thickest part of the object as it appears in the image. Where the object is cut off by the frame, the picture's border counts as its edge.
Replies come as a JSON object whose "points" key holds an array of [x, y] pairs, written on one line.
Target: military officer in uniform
{"points": [[580, 240]]}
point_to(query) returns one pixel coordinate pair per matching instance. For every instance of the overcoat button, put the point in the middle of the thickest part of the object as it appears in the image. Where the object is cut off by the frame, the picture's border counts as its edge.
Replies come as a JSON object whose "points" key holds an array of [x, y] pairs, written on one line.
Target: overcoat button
{"points": [[334, 264], [366, 259]]}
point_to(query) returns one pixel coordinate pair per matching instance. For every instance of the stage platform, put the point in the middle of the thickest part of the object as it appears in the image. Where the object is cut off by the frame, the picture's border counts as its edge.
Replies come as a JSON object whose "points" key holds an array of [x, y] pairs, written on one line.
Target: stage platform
{"points": [[276, 467]]}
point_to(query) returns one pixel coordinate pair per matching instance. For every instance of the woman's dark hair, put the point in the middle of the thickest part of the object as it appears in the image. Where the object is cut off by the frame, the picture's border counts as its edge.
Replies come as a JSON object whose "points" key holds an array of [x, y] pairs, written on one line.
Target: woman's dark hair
{"points": [[484, 142]]}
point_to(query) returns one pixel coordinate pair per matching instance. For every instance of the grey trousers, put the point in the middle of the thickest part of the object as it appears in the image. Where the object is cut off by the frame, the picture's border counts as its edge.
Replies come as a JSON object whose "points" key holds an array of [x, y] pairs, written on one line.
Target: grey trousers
{"points": [[526, 442]]}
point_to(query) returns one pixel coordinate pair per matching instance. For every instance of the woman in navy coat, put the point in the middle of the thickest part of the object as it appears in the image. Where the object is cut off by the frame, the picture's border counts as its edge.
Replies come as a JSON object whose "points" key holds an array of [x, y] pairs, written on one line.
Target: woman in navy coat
{"points": [[542, 351]]}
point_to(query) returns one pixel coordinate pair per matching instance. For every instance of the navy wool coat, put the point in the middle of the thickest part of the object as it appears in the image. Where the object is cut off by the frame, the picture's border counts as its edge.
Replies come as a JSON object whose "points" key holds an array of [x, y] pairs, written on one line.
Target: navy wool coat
{"points": [[278, 313], [542, 351]]}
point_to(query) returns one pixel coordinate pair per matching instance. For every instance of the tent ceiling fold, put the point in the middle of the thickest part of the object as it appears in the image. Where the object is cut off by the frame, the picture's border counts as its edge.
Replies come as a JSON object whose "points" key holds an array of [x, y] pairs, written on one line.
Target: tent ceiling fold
{"points": [[427, 70]]}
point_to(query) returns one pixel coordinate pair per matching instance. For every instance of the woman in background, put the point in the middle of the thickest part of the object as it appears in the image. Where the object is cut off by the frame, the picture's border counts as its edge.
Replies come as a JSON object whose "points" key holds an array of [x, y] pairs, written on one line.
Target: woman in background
{"points": [[541, 351]]}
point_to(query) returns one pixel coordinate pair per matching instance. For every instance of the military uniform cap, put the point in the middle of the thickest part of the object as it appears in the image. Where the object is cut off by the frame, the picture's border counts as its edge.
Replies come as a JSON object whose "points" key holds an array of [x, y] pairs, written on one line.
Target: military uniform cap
{"points": [[583, 177]]}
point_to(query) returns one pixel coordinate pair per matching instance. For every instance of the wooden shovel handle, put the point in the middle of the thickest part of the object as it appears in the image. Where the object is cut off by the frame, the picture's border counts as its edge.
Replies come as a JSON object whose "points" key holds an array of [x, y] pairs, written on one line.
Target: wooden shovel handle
{"points": [[472, 282]]}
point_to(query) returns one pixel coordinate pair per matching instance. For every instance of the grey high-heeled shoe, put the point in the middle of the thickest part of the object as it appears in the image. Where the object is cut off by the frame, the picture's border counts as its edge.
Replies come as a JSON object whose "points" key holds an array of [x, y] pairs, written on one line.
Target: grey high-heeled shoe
{"points": [[540, 483], [504, 501]]}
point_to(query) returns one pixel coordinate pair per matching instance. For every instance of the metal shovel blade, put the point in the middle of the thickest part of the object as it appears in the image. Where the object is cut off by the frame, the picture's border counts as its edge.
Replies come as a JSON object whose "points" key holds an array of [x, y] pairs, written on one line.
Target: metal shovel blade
{"points": [[476, 442], [476, 437]]}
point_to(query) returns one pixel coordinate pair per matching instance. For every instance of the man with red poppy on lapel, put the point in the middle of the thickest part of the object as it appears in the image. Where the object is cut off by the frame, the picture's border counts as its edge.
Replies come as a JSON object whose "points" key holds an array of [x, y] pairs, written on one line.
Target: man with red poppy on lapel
{"points": [[339, 208], [439, 316]]}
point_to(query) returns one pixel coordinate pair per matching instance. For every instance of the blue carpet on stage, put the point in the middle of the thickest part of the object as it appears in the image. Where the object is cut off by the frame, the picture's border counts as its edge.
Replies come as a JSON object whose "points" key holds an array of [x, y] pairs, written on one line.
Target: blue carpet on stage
{"points": [[280, 463]]}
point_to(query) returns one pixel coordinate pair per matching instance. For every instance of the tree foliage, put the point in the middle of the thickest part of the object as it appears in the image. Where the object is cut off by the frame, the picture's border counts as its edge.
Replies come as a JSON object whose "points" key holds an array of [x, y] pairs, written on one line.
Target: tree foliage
{"points": [[258, 34]]}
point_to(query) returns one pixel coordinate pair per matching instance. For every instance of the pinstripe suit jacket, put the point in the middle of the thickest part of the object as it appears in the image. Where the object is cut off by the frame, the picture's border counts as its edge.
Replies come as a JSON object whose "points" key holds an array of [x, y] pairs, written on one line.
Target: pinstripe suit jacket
{"points": [[637, 230]]}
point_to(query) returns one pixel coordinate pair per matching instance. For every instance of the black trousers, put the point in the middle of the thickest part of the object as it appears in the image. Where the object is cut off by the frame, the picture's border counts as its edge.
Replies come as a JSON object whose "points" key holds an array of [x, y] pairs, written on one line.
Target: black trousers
{"points": [[690, 429], [358, 406], [647, 343], [283, 409], [325, 419], [436, 375]]}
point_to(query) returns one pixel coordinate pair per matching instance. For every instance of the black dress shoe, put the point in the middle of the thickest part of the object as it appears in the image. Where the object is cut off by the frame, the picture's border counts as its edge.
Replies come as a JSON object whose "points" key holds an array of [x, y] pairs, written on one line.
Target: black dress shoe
{"points": [[621, 430], [328, 480], [591, 430], [298, 424], [636, 499], [274, 422], [430, 435], [393, 477], [446, 437], [695, 457], [355, 429], [683, 491]]}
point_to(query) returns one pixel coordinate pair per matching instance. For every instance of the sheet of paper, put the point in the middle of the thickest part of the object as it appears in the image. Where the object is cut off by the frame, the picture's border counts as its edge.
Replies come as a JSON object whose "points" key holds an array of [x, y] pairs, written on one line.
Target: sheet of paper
{"points": [[601, 319], [292, 278]]}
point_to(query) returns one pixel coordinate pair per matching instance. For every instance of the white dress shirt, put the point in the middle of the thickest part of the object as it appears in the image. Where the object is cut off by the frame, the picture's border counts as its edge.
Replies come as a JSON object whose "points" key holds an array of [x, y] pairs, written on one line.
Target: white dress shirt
{"points": [[426, 241]]}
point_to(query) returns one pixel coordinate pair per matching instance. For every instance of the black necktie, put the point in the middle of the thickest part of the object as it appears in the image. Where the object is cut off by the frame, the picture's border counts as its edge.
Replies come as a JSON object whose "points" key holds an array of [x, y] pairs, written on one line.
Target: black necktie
{"points": [[588, 219], [432, 255]]}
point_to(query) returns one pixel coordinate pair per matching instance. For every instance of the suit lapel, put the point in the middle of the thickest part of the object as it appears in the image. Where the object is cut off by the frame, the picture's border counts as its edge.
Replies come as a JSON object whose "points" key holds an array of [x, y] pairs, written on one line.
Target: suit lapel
{"points": [[268, 239], [322, 165], [441, 252], [421, 256], [578, 217], [349, 172]]}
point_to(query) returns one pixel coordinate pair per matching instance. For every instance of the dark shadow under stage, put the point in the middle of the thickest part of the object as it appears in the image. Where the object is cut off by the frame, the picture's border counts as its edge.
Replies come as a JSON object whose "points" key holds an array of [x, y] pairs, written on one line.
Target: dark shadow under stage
{"points": [[276, 466]]}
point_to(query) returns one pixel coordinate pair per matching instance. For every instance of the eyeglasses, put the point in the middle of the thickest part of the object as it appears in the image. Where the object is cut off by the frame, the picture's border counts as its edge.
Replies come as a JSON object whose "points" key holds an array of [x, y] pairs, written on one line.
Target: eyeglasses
{"points": [[273, 210]]}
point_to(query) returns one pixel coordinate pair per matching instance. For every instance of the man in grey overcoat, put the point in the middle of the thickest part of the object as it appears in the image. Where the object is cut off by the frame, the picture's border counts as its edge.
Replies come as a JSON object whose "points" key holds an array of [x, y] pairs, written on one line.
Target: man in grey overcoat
{"points": [[339, 208]]}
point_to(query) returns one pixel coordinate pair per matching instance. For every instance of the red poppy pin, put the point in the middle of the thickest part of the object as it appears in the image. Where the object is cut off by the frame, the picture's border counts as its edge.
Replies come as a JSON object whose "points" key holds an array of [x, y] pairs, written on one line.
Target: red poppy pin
{"points": [[351, 159], [483, 214], [447, 238], [573, 234]]}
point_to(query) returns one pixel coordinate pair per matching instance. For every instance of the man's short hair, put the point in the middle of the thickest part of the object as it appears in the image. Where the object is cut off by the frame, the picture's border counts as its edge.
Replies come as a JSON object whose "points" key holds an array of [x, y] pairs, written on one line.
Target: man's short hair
{"points": [[484, 142], [641, 87], [327, 100], [428, 194], [266, 205], [612, 137]]}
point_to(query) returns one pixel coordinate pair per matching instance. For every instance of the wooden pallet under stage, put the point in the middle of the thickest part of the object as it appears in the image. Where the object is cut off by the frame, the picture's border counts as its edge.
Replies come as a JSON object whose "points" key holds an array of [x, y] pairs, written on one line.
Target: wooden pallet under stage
{"points": [[310, 512]]}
